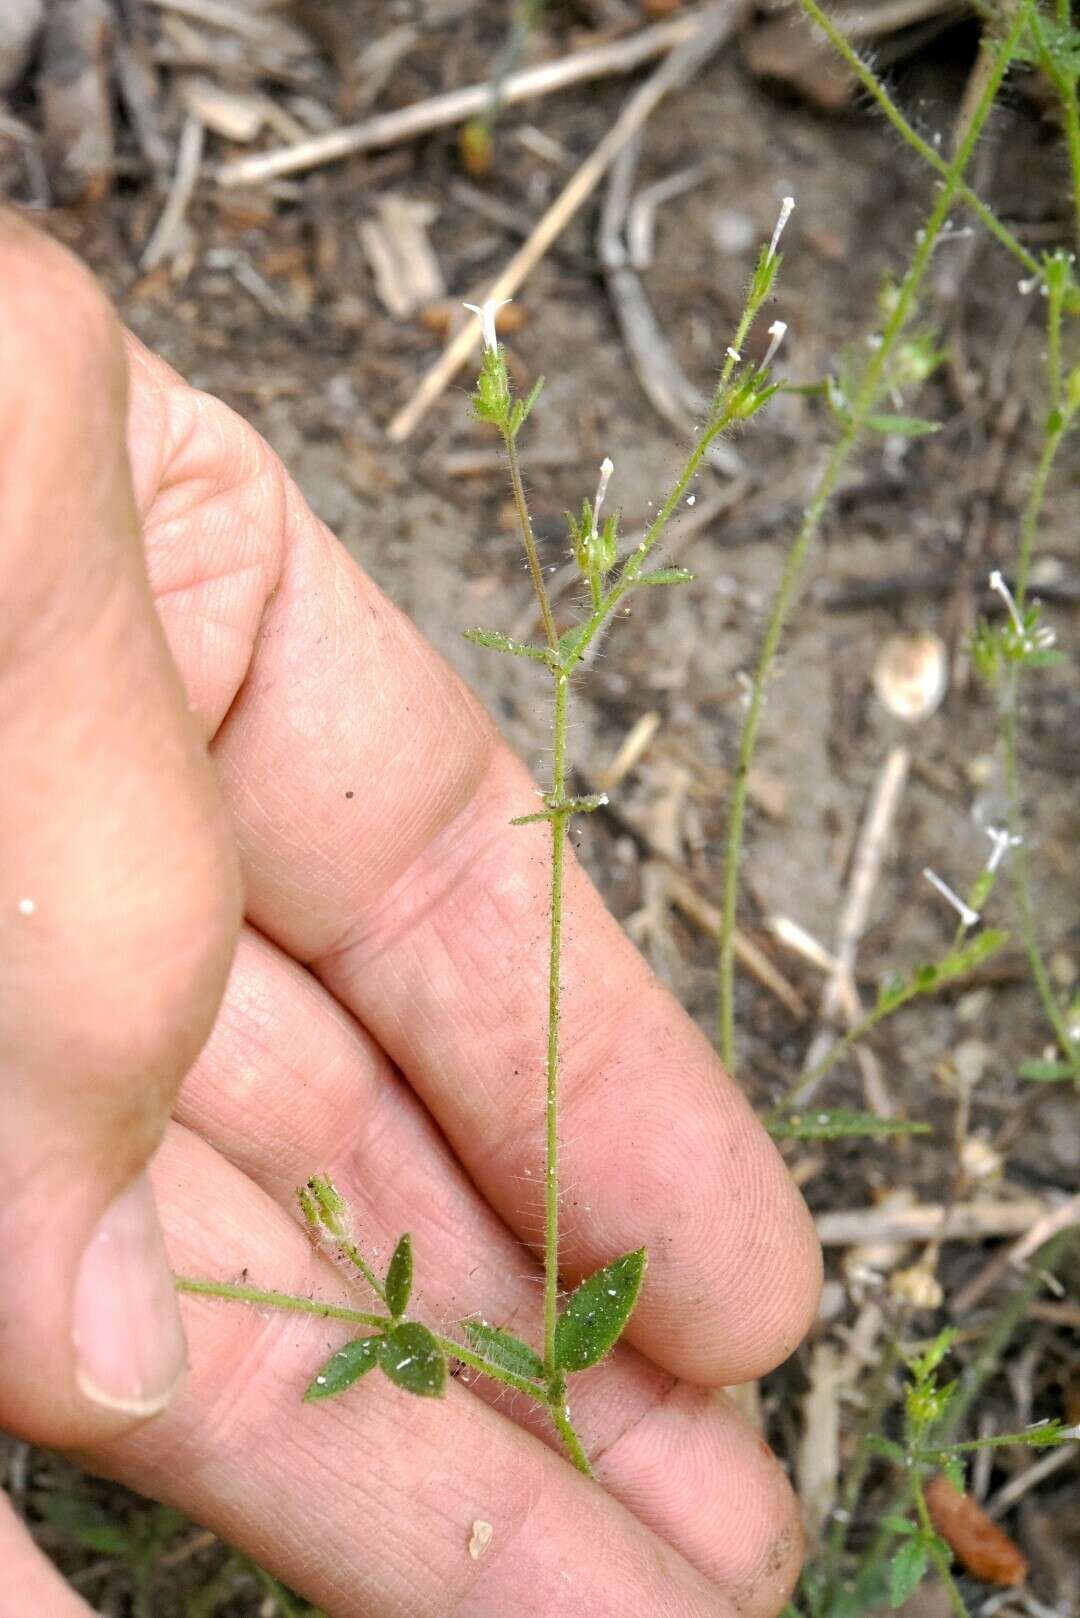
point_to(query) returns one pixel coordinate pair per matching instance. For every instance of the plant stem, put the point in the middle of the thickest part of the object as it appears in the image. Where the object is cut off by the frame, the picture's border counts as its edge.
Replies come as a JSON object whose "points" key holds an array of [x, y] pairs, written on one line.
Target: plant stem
{"points": [[354, 1255], [1065, 85], [892, 112], [1021, 878], [560, 1415], [358, 1317], [278, 1300], [937, 1555], [836, 1050], [1058, 424], [551, 1165], [860, 409], [529, 539]]}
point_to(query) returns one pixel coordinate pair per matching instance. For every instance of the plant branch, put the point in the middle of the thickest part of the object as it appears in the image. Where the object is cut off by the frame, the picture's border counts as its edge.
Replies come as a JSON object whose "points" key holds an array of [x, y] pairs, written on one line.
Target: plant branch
{"points": [[529, 539], [551, 1165], [860, 409], [1065, 85], [358, 1317], [895, 117], [937, 1555]]}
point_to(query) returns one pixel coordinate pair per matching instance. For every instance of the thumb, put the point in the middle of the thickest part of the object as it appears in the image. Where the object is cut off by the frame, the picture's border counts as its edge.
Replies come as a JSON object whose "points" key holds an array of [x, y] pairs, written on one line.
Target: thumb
{"points": [[119, 894]]}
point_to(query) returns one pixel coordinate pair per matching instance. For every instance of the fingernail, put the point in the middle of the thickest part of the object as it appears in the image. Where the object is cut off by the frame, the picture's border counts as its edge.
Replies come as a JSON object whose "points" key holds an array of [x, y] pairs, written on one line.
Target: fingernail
{"points": [[129, 1344]]}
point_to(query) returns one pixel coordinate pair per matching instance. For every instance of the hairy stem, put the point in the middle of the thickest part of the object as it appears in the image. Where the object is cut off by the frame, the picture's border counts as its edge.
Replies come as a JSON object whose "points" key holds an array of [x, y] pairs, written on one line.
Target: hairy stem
{"points": [[1058, 423], [278, 1300], [1020, 871], [560, 1415], [1065, 85], [860, 409], [354, 1255], [896, 118], [937, 1555], [529, 540], [551, 1165], [289, 1302]]}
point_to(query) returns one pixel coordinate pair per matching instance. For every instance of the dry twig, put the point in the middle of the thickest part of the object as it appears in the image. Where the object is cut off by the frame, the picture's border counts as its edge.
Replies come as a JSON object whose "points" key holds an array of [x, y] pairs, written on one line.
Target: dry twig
{"points": [[391, 128], [964, 1221], [163, 238]]}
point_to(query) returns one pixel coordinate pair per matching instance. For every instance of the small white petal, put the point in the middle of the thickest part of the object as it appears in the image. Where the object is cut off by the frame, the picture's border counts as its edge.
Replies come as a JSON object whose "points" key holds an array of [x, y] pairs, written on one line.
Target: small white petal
{"points": [[968, 916], [786, 206]]}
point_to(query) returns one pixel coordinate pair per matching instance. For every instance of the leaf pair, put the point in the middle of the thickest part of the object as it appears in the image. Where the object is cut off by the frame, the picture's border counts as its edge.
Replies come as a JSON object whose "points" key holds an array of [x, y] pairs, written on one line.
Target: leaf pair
{"points": [[408, 1354], [592, 1321]]}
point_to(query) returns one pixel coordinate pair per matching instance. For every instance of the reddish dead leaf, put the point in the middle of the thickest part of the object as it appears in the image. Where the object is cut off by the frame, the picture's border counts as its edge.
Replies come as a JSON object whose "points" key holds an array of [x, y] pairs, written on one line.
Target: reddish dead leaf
{"points": [[979, 1544]]}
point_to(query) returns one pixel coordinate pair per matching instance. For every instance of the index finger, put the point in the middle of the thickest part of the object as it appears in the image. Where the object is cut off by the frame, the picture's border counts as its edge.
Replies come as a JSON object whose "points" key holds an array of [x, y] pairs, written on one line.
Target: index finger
{"points": [[372, 802]]}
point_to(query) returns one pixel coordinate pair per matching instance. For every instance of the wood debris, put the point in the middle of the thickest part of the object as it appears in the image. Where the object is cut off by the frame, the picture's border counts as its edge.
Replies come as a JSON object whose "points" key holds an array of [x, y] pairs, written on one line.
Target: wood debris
{"points": [[237, 115], [20, 23], [403, 262], [167, 236], [964, 1221], [817, 1463], [392, 128], [76, 100]]}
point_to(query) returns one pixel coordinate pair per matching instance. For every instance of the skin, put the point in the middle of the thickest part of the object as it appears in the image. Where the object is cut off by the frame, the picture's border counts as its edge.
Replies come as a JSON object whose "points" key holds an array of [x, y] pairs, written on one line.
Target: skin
{"points": [[282, 925]]}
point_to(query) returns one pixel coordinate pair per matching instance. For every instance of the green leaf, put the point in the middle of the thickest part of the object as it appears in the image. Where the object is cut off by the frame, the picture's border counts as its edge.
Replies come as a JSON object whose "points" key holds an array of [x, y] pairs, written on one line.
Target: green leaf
{"points": [[597, 1311], [953, 1467], [1045, 1434], [904, 426], [877, 1444], [83, 1522], [841, 1122], [932, 974], [412, 1358], [667, 575], [503, 1349], [571, 641], [907, 1569], [399, 1278], [522, 408], [900, 1525], [960, 961], [932, 1356], [1046, 1072], [344, 1368], [503, 643]]}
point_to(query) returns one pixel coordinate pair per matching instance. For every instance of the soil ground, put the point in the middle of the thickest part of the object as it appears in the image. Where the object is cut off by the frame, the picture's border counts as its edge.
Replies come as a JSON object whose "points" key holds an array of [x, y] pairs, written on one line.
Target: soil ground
{"points": [[319, 367]]}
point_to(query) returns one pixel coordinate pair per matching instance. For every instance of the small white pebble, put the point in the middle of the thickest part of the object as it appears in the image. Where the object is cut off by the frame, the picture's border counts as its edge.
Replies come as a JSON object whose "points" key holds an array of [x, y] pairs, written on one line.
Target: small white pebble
{"points": [[691, 499], [480, 1539]]}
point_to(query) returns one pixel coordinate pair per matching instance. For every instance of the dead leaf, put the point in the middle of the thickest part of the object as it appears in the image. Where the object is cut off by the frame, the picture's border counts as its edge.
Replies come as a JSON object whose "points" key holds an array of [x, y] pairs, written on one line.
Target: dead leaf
{"points": [[983, 1548]]}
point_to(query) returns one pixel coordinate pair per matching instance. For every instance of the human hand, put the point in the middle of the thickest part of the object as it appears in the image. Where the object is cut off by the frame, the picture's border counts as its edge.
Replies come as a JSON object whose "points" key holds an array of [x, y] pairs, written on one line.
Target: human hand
{"points": [[196, 680]]}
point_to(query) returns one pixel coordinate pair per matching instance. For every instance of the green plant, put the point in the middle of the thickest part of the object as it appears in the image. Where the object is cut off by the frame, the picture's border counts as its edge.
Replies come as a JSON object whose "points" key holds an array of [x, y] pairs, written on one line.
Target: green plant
{"points": [[592, 1318], [897, 360]]}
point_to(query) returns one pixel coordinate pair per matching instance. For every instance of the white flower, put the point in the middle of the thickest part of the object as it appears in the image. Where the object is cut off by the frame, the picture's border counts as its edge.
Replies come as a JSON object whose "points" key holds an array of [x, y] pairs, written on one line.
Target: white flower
{"points": [[1043, 637], [777, 332], [486, 313], [786, 207], [607, 466], [968, 916], [1002, 841]]}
